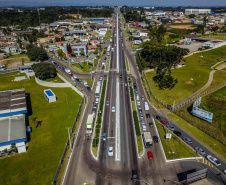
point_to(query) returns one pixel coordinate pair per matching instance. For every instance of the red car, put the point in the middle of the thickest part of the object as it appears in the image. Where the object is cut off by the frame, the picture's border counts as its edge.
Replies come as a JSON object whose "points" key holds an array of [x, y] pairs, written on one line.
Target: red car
{"points": [[72, 74], [163, 122], [150, 155]]}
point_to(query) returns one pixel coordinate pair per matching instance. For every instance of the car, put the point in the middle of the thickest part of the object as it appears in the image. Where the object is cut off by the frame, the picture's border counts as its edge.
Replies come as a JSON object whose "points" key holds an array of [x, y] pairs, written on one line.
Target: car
{"points": [[113, 109], [93, 110], [72, 74], [134, 83], [120, 76], [110, 151], [142, 121], [150, 155], [101, 77], [171, 127], [3, 65], [107, 103], [148, 115], [135, 87], [141, 116], [140, 112], [177, 133], [158, 117], [94, 105], [224, 171], [139, 107], [187, 140], [142, 97], [200, 150], [213, 160], [126, 84], [97, 100], [155, 139], [138, 102], [104, 137], [151, 124], [134, 174], [163, 122], [144, 128]]}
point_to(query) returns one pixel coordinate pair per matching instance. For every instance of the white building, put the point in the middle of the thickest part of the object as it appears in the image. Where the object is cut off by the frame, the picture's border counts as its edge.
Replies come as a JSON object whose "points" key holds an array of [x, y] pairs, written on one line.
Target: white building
{"points": [[197, 11]]}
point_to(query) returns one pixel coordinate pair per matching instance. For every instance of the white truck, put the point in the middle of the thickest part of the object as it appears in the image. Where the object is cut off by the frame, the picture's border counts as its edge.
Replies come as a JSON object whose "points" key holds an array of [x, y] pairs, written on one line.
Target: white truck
{"points": [[147, 139], [68, 71], [146, 107], [89, 124]]}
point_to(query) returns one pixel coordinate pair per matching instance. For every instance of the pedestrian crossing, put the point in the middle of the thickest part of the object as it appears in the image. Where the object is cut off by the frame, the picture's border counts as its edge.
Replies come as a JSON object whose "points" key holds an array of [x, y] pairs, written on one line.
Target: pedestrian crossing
{"points": [[206, 162]]}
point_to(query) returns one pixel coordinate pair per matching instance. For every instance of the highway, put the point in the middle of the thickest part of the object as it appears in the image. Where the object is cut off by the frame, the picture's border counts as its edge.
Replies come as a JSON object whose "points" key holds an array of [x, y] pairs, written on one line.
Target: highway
{"points": [[84, 168]]}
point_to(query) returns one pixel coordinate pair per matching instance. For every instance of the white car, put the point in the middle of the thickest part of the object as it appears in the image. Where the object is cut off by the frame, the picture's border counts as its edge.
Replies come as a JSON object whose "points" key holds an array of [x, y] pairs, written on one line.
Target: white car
{"points": [[97, 100], [138, 102], [144, 128], [213, 160], [113, 109], [110, 151], [125, 84]]}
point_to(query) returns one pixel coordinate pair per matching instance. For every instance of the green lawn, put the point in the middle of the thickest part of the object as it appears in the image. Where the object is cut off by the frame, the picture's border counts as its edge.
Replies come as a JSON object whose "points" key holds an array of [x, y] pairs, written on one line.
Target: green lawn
{"points": [[108, 35], [220, 36], [127, 64], [209, 141], [193, 76], [85, 69], [174, 148], [39, 164], [89, 81], [218, 78], [55, 80]]}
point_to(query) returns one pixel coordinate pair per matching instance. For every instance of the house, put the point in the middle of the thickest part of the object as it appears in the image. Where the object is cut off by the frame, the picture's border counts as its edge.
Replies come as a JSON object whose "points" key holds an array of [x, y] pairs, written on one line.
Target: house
{"points": [[143, 33], [211, 43], [190, 37], [77, 48], [91, 48]]}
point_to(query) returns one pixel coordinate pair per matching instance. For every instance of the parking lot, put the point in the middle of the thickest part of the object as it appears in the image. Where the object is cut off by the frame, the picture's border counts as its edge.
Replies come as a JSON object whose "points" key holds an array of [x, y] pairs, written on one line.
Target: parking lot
{"points": [[194, 46]]}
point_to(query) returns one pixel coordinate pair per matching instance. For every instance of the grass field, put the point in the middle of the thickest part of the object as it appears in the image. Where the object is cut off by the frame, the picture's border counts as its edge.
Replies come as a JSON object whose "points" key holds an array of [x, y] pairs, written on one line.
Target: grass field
{"points": [[86, 68], [127, 64], [193, 76], [221, 36], [108, 35], [209, 141], [218, 78], [55, 80], [39, 164], [174, 148]]}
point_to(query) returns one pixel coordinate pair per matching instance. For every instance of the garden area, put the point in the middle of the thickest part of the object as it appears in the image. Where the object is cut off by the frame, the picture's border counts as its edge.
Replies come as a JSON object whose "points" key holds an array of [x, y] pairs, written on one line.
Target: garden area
{"points": [[47, 141]]}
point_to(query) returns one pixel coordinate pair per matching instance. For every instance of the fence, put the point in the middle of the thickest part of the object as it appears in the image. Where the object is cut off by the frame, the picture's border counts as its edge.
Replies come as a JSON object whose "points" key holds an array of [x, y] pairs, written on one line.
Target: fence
{"points": [[195, 97], [67, 144], [9, 70]]}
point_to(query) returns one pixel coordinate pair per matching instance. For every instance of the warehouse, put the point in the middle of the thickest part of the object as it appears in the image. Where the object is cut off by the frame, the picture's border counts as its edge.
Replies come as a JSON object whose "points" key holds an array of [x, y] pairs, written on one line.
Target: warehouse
{"points": [[13, 108]]}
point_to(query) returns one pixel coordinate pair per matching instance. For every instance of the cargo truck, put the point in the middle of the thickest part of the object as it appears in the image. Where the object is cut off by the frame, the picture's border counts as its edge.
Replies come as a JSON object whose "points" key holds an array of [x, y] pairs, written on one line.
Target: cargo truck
{"points": [[89, 124]]}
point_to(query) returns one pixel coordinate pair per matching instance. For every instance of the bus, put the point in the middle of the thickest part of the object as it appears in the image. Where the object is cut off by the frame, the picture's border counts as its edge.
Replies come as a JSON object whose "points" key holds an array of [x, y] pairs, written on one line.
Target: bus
{"points": [[147, 139], [97, 92]]}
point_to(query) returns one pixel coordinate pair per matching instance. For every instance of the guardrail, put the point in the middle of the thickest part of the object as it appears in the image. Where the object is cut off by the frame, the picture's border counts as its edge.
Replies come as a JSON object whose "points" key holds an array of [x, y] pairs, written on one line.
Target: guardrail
{"points": [[67, 143]]}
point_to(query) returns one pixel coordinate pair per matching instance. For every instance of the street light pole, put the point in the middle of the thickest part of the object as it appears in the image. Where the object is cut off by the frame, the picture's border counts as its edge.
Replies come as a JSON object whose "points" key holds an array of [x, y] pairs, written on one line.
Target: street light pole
{"points": [[69, 135]]}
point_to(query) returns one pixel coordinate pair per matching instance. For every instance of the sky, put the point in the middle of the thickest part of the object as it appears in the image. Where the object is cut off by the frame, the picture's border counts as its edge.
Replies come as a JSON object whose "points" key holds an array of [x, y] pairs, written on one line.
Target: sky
{"points": [[114, 2]]}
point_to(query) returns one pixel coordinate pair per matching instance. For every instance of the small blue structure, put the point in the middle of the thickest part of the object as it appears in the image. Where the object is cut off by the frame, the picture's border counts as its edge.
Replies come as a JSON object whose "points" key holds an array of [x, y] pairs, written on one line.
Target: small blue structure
{"points": [[50, 96]]}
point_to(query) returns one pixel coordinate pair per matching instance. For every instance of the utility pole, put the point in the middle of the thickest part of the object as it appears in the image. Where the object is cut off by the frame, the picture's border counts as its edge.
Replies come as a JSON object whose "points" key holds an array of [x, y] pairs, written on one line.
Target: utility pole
{"points": [[39, 18], [69, 138]]}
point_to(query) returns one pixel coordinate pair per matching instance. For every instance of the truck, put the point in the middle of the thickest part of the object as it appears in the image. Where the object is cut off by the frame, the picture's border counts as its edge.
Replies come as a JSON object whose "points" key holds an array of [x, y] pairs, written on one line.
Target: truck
{"points": [[85, 83], [146, 107], [89, 124], [110, 40], [147, 139], [67, 71]]}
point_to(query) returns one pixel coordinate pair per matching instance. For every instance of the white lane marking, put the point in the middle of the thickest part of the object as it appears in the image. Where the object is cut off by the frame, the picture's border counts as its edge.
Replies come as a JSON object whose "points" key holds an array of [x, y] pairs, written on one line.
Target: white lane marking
{"points": [[117, 127], [117, 46]]}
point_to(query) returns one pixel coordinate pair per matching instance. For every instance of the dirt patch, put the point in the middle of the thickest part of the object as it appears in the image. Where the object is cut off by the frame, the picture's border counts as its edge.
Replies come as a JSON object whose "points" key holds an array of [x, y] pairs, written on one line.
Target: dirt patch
{"points": [[14, 62], [180, 26]]}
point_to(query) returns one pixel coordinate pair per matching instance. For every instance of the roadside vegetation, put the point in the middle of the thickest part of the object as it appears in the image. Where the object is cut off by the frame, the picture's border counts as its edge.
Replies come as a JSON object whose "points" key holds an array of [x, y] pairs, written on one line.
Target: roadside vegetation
{"points": [[48, 139], [108, 63], [136, 121], [174, 148], [193, 76], [99, 119], [108, 35], [205, 138], [83, 67], [88, 80]]}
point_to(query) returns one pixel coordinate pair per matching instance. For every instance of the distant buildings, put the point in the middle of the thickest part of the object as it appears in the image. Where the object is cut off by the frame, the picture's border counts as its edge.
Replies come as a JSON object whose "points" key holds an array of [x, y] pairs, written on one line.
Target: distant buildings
{"points": [[197, 11]]}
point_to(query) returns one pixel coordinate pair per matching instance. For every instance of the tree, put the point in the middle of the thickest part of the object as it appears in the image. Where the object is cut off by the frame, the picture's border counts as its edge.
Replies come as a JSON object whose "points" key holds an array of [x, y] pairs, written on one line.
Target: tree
{"points": [[69, 50], [95, 52], [214, 29], [191, 16], [82, 52], [73, 53], [36, 53], [44, 70]]}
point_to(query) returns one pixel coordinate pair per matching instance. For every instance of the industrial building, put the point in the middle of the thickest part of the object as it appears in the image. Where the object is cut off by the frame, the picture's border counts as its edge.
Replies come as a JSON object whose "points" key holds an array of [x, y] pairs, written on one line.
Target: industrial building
{"points": [[197, 11], [13, 108]]}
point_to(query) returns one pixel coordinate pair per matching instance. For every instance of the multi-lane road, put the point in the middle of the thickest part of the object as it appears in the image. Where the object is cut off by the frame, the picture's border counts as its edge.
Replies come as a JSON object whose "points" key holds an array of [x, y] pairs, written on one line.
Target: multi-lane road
{"points": [[83, 167]]}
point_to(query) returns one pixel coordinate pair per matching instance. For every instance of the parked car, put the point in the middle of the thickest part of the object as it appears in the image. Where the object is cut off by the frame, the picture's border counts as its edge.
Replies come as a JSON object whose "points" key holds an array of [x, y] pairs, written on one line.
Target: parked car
{"points": [[200, 150], [97, 100], [110, 151], [138, 102], [150, 155], [107, 103], [155, 139], [141, 116], [187, 140], [177, 133], [144, 128], [94, 105], [158, 117], [163, 122], [151, 124], [213, 160], [113, 109], [104, 137]]}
